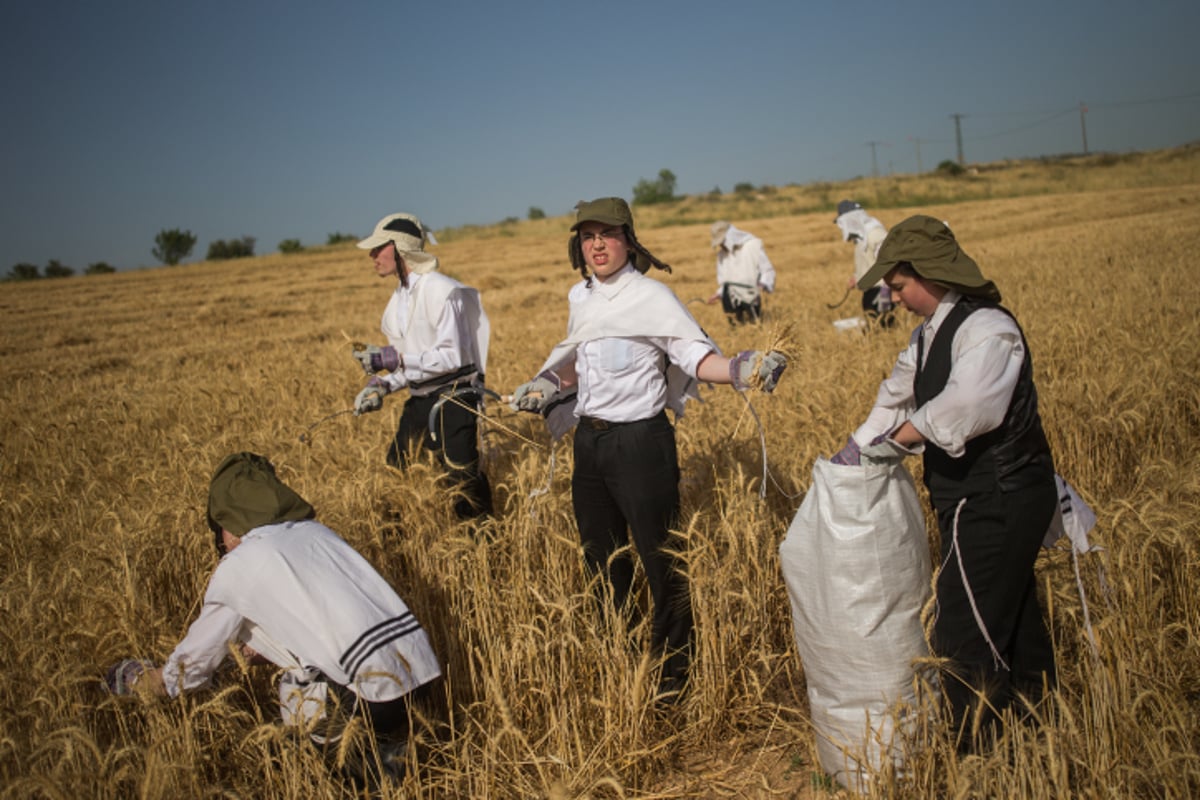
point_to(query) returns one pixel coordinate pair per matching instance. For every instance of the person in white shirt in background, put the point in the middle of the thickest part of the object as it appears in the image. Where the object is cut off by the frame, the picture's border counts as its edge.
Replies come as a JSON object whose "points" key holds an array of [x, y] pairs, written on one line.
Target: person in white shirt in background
{"points": [[743, 272], [289, 591], [866, 234], [437, 348], [632, 349], [962, 394]]}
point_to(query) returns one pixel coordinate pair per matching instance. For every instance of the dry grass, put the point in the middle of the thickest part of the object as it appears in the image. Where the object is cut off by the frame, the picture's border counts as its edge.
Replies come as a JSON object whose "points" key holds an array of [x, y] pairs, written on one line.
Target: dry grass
{"points": [[121, 392]]}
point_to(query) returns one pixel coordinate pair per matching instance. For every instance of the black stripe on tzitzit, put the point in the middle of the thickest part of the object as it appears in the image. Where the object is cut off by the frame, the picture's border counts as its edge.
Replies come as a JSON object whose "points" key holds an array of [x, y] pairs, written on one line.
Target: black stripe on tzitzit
{"points": [[407, 226], [374, 638], [385, 637]]}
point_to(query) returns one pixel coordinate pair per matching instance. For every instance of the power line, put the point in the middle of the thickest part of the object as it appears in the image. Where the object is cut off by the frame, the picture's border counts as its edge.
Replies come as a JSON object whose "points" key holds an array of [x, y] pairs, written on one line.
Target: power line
{"points": [[1034, 124], [1152, 101], [1047, 116]]}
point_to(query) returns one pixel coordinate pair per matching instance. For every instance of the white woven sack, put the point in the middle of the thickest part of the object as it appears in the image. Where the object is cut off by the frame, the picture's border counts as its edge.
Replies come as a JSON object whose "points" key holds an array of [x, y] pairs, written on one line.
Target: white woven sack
{"points": [[856, 564]]}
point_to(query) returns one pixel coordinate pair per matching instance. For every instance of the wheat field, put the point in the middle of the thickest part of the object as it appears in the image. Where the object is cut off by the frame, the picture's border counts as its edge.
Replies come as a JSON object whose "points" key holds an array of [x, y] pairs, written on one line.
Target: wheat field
{"points": [[122, 392]]}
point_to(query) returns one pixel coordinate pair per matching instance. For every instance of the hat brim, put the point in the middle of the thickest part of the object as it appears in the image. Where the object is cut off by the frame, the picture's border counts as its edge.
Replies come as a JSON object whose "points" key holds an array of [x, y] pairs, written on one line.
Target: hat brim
{"points": [[974, 285], [417, 260], [603, 219], [875, 274], [373, 241]]}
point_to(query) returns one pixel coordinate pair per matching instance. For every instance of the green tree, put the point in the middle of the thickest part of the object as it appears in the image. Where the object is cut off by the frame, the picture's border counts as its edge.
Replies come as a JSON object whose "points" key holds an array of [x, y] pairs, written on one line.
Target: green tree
{"points": [[172, 246], [23, 272], [338, 238], [536, 213], [56, 269], [662, 190], [951, 168], [219, 249], [99, 268], [290, 246]]}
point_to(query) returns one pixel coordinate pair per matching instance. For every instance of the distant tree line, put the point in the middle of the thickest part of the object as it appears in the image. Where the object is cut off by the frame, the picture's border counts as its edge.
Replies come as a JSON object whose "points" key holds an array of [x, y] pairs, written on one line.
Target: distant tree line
{"points": [[53, 269], [173, 245]]}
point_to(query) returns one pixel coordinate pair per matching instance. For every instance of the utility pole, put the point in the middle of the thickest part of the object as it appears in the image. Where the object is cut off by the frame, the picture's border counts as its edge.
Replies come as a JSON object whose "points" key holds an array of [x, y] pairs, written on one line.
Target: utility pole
{"points": [[918, 143], [1083, 125], [958, 136], [874, 163]]}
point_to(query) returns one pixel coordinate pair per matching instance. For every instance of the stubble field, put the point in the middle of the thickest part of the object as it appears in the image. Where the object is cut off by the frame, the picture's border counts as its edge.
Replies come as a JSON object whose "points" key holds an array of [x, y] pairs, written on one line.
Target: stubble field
{"points": [[122, 392]]}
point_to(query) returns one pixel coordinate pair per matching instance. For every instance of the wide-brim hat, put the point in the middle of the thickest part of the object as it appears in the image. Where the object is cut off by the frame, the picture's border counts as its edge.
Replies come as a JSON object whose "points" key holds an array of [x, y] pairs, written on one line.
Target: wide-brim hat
{"points": [[716, 233], [409, 235], [929, 245], [606, 210]]}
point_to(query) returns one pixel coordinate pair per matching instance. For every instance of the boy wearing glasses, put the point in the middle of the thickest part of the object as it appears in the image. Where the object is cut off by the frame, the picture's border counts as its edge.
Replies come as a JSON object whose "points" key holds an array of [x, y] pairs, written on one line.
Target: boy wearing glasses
{"points": [[632, 349]]}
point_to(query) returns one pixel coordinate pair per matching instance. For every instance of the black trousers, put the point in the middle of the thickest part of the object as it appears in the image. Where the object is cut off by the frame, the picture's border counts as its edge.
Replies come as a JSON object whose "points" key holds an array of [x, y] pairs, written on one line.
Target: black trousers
{"points": [[626, 482], [740, 311], [999, 535], [456, 448]]}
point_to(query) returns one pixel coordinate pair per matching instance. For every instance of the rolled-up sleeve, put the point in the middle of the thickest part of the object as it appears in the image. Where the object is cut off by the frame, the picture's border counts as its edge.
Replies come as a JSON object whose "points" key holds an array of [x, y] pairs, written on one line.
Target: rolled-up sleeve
{"points": [[987, 365], [686, 353], [894, 402]]}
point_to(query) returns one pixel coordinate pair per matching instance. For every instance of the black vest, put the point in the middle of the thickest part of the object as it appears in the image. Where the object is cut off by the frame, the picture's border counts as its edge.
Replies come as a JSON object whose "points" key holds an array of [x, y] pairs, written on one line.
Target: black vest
{"points": [[1015, 455]]}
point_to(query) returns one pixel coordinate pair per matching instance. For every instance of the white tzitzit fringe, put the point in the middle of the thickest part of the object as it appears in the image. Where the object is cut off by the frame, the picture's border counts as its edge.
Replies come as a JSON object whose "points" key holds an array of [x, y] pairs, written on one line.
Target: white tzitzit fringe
{"points": [[545, 488], [997, 659], [762, 441]]}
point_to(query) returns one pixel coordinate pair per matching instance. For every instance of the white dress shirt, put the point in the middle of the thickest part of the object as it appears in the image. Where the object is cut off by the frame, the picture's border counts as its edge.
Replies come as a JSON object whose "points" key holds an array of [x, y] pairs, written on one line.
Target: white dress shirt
{"points": [[986, 358], [623, 378], [743, 260], [437, 325]]}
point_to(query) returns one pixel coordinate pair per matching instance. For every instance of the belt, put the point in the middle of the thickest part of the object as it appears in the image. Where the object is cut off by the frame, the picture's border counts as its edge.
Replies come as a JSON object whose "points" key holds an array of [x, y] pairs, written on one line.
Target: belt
{"points": [[440, 381], [597, 424]]}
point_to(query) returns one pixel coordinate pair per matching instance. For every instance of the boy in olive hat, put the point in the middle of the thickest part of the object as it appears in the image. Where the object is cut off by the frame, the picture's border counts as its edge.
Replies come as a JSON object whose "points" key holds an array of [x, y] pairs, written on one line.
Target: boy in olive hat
{"points": [[289, 591], [632, 349], [962, 395]]}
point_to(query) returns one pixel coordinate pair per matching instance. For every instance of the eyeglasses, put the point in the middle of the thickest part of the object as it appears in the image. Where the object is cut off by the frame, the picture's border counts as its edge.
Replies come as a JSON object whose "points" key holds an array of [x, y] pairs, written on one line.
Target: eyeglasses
{"points": [[608, 234]]}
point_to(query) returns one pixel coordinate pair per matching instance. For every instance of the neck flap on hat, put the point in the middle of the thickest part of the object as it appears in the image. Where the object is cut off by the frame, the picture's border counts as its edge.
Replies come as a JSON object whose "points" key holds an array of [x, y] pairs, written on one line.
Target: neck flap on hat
{"points": [[246, 494]]}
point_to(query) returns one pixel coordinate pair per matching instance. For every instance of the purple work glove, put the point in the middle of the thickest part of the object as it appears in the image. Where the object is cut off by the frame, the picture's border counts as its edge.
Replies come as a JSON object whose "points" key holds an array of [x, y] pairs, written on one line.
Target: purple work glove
{"points": [[884, 449], [377, 359], [849, 455], [120, 677], [768, 367]]}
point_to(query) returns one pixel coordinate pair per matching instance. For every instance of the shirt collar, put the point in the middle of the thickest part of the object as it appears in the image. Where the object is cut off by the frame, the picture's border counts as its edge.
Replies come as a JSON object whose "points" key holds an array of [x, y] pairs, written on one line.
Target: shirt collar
{"points": [[413, 278], [613, 286], [945, 305]]}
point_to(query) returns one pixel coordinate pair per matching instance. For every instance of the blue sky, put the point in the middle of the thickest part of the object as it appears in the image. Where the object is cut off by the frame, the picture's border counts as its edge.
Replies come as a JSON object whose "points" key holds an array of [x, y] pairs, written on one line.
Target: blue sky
{"points": [[284, 120]]}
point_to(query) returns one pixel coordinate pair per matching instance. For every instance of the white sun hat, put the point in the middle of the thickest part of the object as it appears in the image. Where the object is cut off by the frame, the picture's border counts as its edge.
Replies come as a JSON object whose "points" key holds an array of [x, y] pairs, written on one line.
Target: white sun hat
{"points": [[409, 235], [717, 233]]}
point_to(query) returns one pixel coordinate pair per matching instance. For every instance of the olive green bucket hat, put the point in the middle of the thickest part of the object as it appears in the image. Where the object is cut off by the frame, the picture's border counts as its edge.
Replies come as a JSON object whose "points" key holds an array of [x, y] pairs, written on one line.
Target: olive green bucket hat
{"points": [[929, 245], [246, 494], [609, 211], [606, 210]]}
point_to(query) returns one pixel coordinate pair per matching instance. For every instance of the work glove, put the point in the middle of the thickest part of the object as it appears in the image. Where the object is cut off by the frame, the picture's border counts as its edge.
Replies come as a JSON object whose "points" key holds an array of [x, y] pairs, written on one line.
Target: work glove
{"points": [[883, 450], [120, 677], [848, 456], [754, 367], [376, 359], [536, 395], [371, 397]]}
